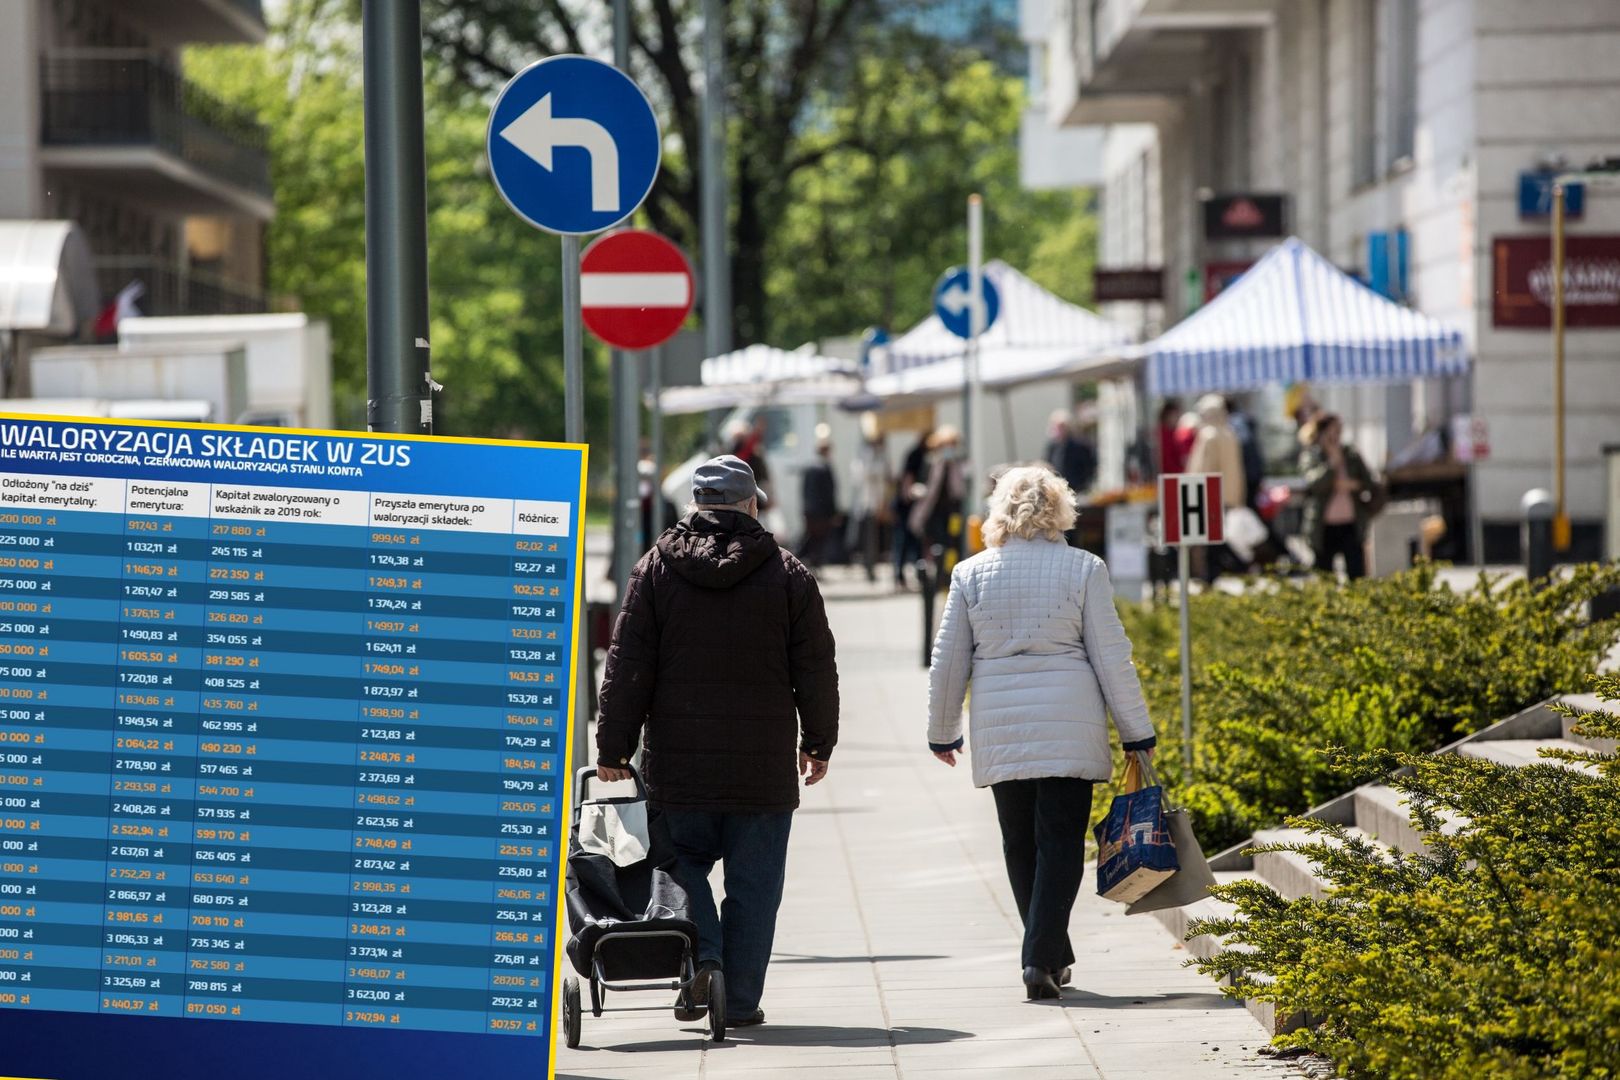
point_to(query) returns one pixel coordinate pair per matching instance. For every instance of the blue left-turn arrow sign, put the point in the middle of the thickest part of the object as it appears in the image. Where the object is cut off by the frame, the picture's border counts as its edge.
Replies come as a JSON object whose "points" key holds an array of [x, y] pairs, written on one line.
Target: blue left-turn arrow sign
{"points": [[953, 301], [573, 145]]}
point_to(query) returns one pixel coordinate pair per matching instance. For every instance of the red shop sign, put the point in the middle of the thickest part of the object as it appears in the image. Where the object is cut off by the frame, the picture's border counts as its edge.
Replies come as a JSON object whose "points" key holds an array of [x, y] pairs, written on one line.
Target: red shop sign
{"points": [[1522, 281]]}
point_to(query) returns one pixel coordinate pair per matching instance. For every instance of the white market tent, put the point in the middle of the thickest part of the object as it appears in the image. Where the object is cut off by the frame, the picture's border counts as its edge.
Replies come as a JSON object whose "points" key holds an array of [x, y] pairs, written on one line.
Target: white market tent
{"points": [[47, 282], [1295, 317], [760, 374], [1037, 336]]}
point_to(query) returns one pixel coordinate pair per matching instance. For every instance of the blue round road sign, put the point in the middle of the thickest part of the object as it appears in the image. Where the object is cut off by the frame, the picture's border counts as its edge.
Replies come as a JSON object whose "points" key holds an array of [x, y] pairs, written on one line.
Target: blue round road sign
{"points": [[573, 145], [951, 302]]}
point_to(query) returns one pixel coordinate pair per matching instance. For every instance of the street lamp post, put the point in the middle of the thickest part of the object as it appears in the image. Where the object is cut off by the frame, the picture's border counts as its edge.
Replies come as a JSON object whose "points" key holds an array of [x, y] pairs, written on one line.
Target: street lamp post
{"points": [[398, 384], [1560, 529], [1604, 172]]}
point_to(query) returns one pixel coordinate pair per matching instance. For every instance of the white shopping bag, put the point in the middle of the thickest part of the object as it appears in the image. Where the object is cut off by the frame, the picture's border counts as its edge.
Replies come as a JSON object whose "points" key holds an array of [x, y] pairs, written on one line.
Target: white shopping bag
{"points": [[1244, 532], [617, 830]]}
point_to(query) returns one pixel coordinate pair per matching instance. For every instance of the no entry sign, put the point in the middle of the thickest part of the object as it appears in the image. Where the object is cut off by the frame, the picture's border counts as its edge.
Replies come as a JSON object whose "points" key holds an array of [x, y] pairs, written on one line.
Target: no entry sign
{"points": [[1190, 510], [635, 288]]}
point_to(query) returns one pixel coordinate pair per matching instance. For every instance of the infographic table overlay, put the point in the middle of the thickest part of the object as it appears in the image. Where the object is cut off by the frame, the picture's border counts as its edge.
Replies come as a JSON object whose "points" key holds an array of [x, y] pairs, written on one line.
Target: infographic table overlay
{"points": [[284, 744]]}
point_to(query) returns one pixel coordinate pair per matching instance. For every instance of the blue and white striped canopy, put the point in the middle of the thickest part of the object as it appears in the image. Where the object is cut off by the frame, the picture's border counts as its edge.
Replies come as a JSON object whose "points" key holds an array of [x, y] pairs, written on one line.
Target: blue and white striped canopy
{"points": [[1295, 317]]}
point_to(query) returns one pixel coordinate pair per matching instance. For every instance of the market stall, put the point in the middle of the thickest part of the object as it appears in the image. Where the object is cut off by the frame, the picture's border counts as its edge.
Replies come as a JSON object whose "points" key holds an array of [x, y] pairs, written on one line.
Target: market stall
{"points": [[1295, 318]]}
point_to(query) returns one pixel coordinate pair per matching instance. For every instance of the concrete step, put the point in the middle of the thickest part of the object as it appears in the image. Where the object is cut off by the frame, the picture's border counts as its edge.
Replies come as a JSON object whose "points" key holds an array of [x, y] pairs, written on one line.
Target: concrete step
{"points": [[1176, 920], [1204, 946], [1382, 811], [1292, 874], [1590, 703], [1517, 753]]}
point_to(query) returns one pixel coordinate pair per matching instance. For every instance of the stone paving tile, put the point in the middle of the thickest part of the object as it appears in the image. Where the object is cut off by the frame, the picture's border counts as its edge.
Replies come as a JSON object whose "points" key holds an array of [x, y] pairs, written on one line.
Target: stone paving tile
{"points": [[897, 943], [996, 1054], [1027, 1072]]}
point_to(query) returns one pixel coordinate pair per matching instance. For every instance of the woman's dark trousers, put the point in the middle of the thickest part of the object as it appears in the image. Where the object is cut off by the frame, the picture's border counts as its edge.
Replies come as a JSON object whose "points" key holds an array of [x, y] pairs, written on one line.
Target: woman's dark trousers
{"points": [[1342, 540], [1043, 835]]}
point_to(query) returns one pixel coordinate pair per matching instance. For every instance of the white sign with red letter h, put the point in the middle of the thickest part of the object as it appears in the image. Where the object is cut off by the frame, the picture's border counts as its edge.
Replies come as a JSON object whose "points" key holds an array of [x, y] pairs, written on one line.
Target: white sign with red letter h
{"points": [[1190, 511]]}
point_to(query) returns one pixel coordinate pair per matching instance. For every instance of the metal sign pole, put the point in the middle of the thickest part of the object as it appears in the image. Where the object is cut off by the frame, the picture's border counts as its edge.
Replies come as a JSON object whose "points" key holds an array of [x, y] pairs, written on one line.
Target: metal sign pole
{"points": [[626, 454], [574, 432], [655, 378], [626, 391], [712, 169], [1182, 561], [976, 313]]}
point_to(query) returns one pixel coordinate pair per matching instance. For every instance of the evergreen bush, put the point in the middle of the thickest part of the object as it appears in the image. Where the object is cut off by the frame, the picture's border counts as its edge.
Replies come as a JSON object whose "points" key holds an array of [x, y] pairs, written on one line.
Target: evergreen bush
{"points": [[1403, 663], [1493, 953]]}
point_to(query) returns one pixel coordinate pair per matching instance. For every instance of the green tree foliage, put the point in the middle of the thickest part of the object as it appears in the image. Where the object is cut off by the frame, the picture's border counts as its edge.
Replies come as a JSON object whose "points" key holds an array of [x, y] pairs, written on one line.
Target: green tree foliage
{"points": [[866, 233], [1404, 663], [836, 102], [855, 136], [496, 331], [1495, 952]]}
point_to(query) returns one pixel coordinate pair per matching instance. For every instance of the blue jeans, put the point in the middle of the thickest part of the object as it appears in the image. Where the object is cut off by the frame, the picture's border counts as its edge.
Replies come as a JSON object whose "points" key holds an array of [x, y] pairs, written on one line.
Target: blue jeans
{"points": [[753, 849]]}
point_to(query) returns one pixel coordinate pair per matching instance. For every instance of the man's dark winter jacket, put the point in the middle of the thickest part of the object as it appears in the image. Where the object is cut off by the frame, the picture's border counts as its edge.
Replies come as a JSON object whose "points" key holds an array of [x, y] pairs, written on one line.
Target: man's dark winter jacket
{"points": [[722, 638]]}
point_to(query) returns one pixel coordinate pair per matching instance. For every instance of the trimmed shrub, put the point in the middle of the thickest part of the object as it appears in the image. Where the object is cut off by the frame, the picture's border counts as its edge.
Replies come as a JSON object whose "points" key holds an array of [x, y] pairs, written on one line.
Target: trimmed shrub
{"points": [[1496, 952], [1403, 663]]}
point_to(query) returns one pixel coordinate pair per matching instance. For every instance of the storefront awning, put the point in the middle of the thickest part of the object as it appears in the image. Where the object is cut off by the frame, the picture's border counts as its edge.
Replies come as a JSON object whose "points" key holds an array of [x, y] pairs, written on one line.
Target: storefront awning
{"points": [[47, 282], [1295, 317]]}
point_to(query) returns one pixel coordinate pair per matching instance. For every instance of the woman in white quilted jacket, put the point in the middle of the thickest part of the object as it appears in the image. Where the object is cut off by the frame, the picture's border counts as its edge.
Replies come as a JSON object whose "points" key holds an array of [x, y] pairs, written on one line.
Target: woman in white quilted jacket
{"points": [[1030, 625]]}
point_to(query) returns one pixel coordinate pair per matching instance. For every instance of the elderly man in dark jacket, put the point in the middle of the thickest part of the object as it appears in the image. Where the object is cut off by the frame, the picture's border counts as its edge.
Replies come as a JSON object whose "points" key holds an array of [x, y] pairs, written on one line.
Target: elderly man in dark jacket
{"points": [[722, 654]]}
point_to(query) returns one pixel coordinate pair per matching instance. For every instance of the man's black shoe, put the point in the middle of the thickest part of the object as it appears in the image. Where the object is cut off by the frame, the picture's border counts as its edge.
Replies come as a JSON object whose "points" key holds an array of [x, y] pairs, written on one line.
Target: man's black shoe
{"points": [[699, 994], [753, 1019]]}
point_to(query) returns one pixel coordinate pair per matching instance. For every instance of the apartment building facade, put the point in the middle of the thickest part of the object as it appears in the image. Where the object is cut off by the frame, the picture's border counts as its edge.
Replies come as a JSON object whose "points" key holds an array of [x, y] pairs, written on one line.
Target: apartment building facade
{"points": [[99, 126], [1396, 136]]}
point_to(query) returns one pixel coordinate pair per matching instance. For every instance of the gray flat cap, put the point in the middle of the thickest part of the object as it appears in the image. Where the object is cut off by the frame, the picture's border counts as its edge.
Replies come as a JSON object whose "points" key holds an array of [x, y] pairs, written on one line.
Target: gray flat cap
{"points": [[723, 481]]}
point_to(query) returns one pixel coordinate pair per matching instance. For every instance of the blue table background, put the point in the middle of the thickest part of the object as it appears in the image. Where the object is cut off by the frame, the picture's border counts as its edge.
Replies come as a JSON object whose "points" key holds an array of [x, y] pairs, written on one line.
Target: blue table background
{"points": [[102, 1046]]}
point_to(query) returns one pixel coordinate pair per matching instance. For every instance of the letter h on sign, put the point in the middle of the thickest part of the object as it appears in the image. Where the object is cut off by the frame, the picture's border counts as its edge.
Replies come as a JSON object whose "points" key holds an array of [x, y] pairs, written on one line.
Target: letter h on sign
{"points": [[1190, 510]]}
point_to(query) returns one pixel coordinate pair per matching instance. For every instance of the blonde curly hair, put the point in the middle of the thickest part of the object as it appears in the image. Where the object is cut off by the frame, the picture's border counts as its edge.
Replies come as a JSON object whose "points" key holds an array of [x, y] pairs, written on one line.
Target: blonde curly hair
{"points": [[1029, 501]]}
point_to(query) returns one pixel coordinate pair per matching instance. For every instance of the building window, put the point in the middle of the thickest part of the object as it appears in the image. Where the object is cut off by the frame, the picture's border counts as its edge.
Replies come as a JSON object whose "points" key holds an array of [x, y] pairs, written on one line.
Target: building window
{"points": [[1400, 102], [1364, 88]]}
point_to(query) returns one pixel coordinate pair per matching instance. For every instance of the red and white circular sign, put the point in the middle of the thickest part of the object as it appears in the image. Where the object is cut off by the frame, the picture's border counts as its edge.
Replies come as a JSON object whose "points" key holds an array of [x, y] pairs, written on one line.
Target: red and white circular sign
{"points": [[635, 288]]}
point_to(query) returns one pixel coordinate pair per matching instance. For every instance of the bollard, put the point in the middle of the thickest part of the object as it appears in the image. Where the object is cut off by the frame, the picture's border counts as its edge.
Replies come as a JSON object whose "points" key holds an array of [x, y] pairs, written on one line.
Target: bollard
{"points": [[1536, 536], [925, 585]]}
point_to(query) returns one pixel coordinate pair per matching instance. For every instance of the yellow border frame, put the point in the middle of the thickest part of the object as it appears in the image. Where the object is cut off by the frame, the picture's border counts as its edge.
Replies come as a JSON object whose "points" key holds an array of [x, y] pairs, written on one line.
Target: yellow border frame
{"points": [[566, 805]]}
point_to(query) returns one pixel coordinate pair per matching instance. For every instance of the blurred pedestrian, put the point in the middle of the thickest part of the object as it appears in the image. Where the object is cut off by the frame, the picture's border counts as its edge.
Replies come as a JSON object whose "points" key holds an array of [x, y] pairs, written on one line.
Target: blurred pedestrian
{"points": [[747, 441], [820, 498], [1030, 626], [913, 474], [1248, 437], [1340, 496], [1071, 455], [869, 487], [723, 660], [1216, 450], [1175, 439], [939, 497]]}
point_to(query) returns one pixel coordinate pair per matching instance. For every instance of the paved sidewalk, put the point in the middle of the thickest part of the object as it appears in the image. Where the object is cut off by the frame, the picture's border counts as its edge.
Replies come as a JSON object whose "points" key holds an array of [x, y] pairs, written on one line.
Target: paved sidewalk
{"points": [[897, 948]]}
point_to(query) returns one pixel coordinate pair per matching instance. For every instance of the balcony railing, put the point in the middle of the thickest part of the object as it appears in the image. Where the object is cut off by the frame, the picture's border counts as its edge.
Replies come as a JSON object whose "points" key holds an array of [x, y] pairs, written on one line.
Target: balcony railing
{"points": [[132, 97], [171, 290]]}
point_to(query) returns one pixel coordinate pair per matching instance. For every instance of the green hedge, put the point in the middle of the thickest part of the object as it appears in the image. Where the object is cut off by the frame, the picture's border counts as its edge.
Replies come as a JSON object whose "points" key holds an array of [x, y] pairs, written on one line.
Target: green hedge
{"points": [[1496, 953], [1403, 663]]}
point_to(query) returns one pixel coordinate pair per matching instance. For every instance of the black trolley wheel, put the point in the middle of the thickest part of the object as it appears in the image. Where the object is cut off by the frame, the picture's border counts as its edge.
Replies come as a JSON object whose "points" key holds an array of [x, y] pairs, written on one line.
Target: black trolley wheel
{"points": [[597, 994], [572, 1017], [717, 1006]]}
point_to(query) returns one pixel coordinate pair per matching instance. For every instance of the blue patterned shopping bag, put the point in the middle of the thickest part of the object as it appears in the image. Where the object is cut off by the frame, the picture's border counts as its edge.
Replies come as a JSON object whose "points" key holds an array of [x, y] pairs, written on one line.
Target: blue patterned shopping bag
{"points": [[1134, 850]]}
